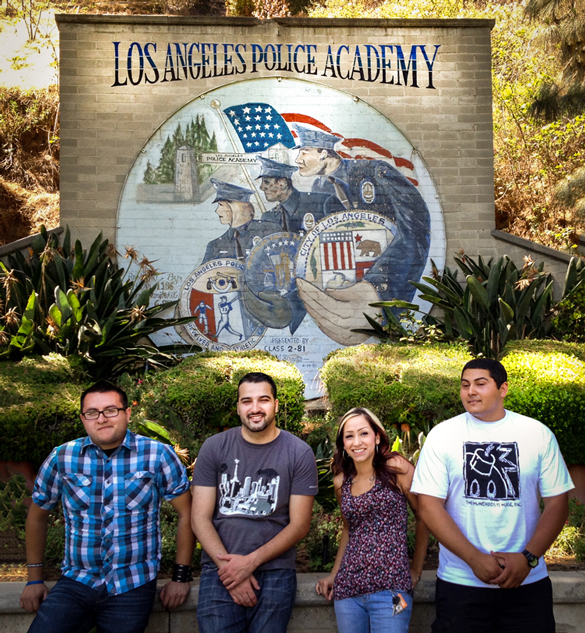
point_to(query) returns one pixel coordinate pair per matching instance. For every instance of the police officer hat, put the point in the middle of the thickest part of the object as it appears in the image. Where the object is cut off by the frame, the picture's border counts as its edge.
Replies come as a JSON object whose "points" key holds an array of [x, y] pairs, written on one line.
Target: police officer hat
{"points": [[272, 169], [227, 191], [309, 137]]}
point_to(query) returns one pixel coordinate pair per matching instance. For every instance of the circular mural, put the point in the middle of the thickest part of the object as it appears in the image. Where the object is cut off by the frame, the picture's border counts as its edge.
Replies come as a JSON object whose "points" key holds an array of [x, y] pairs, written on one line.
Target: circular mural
{"points": [[277, 210]]}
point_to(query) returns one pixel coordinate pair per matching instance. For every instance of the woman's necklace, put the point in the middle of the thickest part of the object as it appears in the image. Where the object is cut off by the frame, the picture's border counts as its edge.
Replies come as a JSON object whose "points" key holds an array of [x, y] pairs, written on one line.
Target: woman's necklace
{"points": [[372, 478]]}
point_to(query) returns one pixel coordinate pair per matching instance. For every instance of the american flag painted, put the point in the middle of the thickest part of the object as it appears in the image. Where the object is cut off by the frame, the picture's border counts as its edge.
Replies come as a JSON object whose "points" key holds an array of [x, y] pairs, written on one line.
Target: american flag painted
{"points": [[337, 250], [357, 148], [259, 126]]}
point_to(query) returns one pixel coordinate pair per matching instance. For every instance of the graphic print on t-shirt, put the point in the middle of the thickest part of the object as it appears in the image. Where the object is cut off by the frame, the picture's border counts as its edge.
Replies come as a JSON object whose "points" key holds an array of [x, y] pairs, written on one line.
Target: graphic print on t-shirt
{"points": [[492, 471], [251, 498]]}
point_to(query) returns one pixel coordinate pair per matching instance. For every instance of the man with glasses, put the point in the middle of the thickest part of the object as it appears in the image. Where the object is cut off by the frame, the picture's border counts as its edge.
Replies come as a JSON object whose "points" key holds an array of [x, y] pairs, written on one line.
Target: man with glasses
{"points": [[111, 484]]}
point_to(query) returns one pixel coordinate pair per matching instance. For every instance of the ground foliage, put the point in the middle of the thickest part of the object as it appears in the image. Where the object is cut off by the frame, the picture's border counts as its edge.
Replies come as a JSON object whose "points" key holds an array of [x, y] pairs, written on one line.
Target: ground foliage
{"points": [[79, 302]]}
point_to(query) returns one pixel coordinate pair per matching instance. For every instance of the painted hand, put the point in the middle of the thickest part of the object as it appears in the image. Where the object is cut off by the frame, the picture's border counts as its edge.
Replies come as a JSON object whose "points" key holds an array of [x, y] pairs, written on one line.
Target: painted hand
{"points": [[337, 312]]}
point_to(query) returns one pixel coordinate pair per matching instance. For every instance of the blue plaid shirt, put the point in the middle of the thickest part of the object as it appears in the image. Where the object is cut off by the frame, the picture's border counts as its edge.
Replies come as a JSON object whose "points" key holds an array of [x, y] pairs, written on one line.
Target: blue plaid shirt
{"points": [[111, 507]]}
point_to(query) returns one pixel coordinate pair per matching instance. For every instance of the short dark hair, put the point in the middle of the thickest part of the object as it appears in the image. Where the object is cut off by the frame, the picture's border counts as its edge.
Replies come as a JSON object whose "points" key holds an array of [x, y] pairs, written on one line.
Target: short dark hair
{"points": [[496, 370], [258, 376], [104, 386]]}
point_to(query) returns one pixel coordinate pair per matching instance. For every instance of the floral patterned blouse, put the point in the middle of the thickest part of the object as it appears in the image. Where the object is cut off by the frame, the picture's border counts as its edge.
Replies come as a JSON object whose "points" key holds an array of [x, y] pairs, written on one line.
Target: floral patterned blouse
{"points": [[376, 556]]}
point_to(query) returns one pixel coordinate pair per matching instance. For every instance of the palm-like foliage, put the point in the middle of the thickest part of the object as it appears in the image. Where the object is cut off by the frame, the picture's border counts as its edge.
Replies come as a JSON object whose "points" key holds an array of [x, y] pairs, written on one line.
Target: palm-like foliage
{"points": [[77, 302], [498, 302]]}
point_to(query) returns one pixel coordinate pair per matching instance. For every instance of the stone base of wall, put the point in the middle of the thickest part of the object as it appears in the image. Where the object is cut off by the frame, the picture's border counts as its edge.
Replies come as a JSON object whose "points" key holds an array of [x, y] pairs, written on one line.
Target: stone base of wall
{"points": [[313, 614]]}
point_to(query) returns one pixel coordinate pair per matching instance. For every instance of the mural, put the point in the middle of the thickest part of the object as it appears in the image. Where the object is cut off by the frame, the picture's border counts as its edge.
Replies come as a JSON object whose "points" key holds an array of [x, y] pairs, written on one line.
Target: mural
{"points": [[278, 210]]}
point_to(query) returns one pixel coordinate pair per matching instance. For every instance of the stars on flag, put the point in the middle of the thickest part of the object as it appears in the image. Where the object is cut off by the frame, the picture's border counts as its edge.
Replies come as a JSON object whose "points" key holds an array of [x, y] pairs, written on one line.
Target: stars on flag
{"points": [[259, 126]]}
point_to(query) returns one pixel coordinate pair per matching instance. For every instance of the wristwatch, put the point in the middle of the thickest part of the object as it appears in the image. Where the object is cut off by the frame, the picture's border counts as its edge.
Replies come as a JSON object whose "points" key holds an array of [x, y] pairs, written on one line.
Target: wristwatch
{"points": [[531, 558]]}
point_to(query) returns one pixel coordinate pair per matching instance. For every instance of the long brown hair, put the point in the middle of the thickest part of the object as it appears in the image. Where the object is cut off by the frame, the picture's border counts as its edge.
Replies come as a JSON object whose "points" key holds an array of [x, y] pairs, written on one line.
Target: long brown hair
{"points": [[343, 463]]}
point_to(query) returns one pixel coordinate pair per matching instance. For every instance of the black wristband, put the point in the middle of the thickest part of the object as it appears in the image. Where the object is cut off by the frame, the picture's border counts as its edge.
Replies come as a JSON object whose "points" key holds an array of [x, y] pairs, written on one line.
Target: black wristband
{"points": [[182, 573]]}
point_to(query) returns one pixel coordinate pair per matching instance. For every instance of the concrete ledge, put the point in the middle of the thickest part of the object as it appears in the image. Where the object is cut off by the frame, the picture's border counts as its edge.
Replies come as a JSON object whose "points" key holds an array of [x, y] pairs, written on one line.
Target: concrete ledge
{"points": [[312, 613], [528, 245], [25, 242], [314, 23]]}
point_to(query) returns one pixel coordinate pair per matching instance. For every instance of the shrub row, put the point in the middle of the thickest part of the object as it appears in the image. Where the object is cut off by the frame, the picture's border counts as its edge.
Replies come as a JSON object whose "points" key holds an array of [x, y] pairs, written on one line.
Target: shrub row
{"points": [[198, 397], [418, 386], [39, 399], [39, 407]]}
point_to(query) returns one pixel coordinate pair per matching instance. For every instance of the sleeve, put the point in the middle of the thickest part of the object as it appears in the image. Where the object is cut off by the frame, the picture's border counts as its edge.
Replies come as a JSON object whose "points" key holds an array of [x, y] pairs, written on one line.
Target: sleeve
{"points": [[305, 479], [554, 478], [431, 476], [47, 489], [205, 471], [174, 481]]}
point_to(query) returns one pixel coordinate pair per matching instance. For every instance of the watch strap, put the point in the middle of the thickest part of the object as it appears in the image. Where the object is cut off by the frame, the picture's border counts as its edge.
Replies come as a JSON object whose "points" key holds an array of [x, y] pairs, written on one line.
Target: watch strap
{"points": [[531, 558]]}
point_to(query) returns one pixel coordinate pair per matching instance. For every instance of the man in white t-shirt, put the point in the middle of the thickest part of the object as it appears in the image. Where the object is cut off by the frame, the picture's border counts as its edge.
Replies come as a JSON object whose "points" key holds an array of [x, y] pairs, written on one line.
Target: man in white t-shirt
{"points": [[480, 478]]}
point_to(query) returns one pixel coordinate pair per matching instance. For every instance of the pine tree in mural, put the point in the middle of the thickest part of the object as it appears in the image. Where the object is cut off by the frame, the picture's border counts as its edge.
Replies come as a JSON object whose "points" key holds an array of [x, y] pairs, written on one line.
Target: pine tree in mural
{"points": [[197, 138], [165, 172], [150, 174]]}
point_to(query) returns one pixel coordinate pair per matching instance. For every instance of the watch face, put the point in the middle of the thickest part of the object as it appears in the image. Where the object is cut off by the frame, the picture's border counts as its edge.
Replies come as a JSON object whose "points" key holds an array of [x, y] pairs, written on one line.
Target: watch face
{"points": [[531, 558]]}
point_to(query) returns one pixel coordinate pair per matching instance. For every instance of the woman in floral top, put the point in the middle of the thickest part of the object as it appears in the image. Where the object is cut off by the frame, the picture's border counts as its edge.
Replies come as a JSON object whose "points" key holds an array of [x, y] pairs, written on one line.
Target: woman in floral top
{"points": [[372, 581]]}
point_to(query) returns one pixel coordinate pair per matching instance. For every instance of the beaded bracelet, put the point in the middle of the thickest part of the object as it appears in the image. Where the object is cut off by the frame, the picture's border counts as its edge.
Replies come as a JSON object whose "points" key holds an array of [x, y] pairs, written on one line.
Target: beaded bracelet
{"points": [[182, 573], [35, 582], [36, 565]]}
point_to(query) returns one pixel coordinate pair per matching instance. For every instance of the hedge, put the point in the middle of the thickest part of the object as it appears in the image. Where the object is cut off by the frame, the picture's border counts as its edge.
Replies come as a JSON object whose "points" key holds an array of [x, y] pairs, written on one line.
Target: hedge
{"points": [[39, 399], [547, 382], [402, 384], [419, 385], [198, 397], [39, 407]]}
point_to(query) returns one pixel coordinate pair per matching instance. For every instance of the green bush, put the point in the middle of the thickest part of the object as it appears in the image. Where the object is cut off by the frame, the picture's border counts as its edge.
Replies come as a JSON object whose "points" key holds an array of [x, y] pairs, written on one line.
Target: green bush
{"points": [[547, 382], [198, 398], [569, 320], [39, 407], [405, 385]]}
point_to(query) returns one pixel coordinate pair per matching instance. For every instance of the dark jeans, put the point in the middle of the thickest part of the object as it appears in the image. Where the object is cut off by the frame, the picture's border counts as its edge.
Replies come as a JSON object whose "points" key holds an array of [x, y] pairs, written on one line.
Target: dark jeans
{"points": [[72, 607], [462, 609], [218, 613]]}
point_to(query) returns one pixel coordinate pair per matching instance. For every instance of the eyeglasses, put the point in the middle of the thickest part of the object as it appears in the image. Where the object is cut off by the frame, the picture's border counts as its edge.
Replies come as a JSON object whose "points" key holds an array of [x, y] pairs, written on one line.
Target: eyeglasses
{"points": [[110, 412]]}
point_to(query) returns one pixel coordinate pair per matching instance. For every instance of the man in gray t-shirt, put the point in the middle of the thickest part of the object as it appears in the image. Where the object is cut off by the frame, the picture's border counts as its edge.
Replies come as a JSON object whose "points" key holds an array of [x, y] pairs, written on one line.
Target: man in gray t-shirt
{"points": [[253, 489]]}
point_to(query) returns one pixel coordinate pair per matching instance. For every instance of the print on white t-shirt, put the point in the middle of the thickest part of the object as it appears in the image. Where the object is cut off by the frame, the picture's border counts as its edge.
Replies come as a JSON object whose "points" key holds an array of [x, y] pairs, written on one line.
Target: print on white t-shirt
{"points": [[491, 471]]}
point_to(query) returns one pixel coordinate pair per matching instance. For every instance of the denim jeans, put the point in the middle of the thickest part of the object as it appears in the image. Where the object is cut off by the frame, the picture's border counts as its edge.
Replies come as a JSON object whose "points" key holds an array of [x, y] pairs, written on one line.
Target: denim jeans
{"points": [[218, 613], [72, 607], [372, 613]]}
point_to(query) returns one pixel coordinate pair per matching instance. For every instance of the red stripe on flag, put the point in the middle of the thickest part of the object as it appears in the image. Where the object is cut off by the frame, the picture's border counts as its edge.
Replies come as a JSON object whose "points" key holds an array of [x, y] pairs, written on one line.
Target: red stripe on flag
{"points": [[291, 117], [350, 254], [335, 255], [362, 142], [326, 256], [413, 181], [403, 162], [342, 254]]}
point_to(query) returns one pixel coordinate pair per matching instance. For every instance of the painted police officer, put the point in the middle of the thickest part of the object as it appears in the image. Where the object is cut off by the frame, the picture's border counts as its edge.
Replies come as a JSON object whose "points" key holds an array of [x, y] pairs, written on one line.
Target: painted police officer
{"points": [[296, 210], [375, 186], [235, 209]]}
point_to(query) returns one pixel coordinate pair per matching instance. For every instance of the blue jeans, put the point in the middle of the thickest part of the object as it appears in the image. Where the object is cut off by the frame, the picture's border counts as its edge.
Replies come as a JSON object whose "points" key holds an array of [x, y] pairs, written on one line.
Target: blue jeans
{"points": [[372, 613], [218, 613], [72, 607]]}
